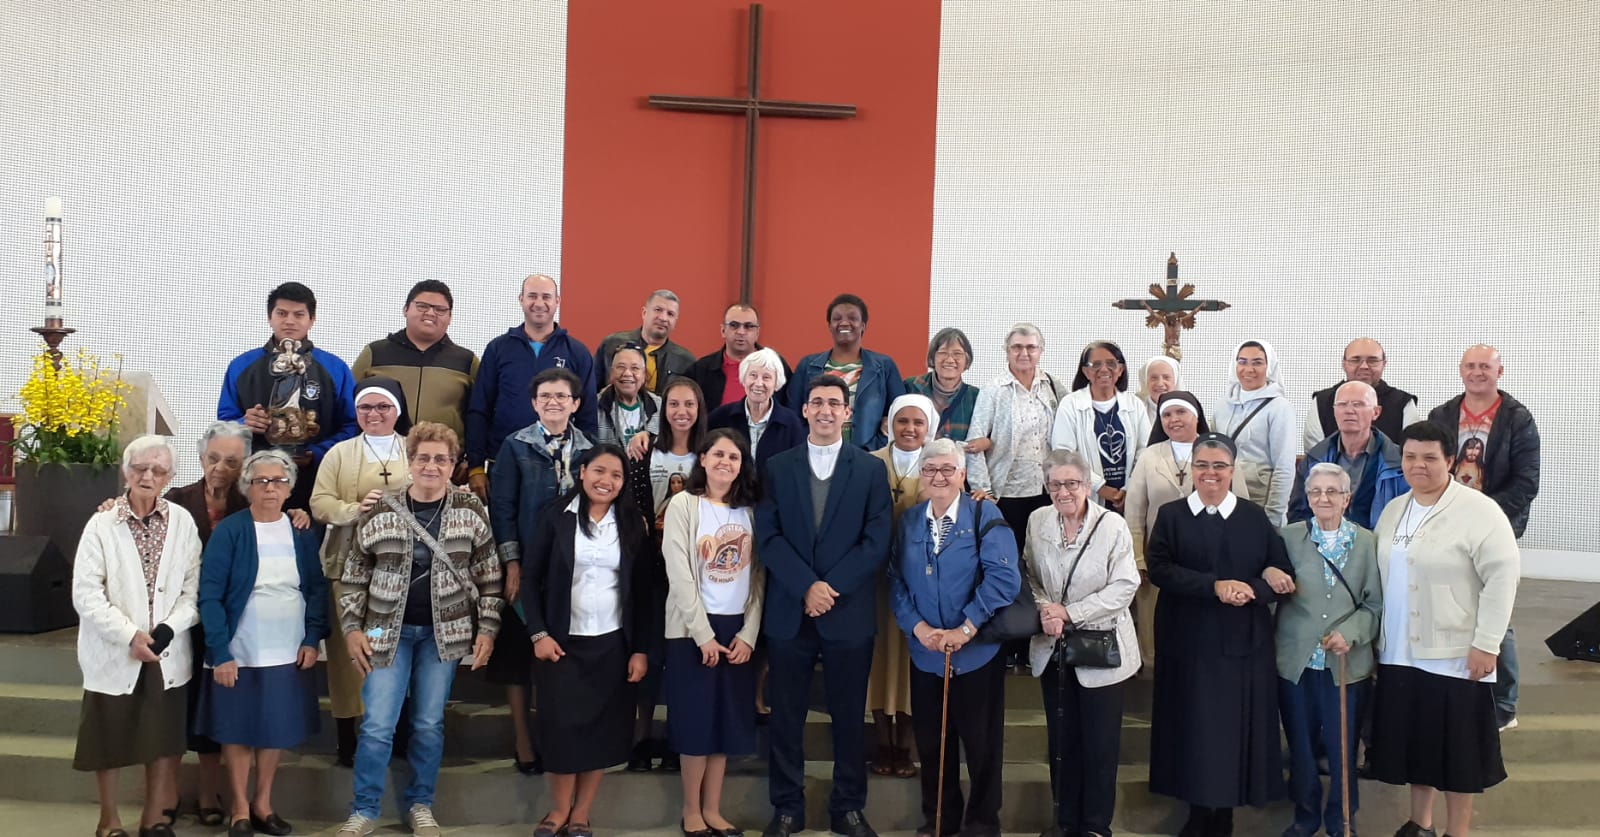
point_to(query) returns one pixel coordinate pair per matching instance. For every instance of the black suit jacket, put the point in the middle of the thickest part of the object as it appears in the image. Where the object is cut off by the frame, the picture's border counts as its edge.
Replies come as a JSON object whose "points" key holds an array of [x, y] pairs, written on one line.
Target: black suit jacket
{"points": [[847, 552], [547, 570]]}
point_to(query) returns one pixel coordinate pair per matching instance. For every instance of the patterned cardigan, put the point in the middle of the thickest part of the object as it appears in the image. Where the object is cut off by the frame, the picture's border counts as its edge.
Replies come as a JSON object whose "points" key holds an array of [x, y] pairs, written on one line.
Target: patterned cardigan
{"points": [[377, 577]]}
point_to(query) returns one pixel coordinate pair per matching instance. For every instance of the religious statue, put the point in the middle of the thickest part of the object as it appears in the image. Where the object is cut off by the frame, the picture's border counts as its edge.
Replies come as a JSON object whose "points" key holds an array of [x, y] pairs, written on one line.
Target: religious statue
{"points": [[1171, 308], [289, 425]]}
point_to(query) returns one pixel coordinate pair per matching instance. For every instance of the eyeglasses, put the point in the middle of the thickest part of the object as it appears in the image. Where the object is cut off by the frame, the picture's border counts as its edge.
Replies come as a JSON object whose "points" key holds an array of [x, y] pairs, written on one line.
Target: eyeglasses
{"points": [[553, 397], [380, 409], [830, 403], [1074, 486], [429, 308], [1252, 362], [1211, 466], [265, 482], [947, 472], [1025, 349], [1348, 405], [950, 354], [735, 325], [1364, 361], [439, 459], [1098, 365], [627, 367], [1319, 493], [156, 470]]}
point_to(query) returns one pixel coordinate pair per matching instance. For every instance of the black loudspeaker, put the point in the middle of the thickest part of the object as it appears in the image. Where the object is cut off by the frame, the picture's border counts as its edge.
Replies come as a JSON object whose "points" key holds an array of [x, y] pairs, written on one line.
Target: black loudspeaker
{"points": [[1579, 639], [35, 586]]}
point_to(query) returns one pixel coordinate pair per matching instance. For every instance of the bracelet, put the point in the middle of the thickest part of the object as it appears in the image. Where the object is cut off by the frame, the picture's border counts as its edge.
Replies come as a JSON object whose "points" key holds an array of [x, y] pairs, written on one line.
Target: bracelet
{"points": [[538, 636], [477, 472]]}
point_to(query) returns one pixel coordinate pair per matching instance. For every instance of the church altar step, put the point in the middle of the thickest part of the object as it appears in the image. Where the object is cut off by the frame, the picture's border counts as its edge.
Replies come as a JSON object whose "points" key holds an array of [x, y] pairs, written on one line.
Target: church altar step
{"points": [[39, 768]]}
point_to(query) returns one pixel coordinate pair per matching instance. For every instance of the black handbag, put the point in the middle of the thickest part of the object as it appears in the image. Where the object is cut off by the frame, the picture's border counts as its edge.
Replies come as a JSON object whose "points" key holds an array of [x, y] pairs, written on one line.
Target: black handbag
{"points": [[1018, 620], [1086, 647]]}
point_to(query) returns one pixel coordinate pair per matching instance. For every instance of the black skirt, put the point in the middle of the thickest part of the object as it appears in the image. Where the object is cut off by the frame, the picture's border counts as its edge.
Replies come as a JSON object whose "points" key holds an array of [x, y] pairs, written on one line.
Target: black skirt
{"points": [[586, 705], [198, 742], [511, 664], [1434, 730], [711, 710]]}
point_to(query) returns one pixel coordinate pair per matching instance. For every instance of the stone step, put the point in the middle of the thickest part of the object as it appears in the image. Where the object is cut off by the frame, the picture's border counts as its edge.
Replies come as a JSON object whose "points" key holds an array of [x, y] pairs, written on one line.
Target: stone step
{"points": [[39, 768]]}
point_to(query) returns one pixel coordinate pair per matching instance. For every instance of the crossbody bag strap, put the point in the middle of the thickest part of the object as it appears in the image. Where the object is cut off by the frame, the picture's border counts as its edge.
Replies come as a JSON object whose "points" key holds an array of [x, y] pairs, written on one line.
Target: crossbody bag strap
{"points": [[1246, 423], [439, 554], [1355, 601], [1077, 559]]}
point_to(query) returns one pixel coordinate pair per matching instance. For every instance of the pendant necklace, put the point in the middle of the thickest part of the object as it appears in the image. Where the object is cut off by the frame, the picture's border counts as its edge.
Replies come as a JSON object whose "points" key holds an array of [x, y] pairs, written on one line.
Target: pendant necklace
{"points": [[384, 461]]}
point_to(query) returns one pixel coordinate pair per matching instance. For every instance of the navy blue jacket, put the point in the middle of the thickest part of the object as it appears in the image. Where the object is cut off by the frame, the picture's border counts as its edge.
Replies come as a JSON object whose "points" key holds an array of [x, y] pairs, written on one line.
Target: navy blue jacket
{"points": [[879, 386], [501, 403], [522, 482], [960, 582], [784, 430], [848, 551], [228, 575]]}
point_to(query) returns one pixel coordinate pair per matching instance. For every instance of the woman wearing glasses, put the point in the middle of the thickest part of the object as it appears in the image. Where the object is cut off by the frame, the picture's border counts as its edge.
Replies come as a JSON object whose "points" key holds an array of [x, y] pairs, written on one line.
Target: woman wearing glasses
{"points": [[1010, 433], [1103, 422], [1257, 416], [953, 566], [1080, 568], [264, 605], [949, 357], [422, 590], [354, 474]]}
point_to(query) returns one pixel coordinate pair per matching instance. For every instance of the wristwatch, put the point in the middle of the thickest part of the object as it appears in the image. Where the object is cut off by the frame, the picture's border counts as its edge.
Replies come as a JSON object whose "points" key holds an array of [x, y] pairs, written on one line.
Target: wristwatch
{"points": [[966, 629]]}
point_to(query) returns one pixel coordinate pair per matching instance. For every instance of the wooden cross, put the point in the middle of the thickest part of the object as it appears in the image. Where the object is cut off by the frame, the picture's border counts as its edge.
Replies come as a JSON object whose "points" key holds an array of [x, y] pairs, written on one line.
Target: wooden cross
{"points": [[752, 107], [1171, 308]]}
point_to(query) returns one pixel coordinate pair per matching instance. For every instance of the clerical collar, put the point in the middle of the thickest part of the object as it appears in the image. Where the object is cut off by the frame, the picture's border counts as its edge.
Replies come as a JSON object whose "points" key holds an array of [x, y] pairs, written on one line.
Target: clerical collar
{"points": [[1224, 508], [825, 450]]}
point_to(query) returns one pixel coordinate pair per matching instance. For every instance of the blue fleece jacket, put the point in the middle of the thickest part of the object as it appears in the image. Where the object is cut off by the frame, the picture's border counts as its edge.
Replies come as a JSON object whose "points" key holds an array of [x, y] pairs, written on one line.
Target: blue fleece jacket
{"points": [[501, 403]]}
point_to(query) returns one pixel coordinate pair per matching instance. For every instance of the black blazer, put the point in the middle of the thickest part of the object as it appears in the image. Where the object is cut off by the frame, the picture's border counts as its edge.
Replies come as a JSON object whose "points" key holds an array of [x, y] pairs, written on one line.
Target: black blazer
{"points": [[847, 552], [547, 578]]}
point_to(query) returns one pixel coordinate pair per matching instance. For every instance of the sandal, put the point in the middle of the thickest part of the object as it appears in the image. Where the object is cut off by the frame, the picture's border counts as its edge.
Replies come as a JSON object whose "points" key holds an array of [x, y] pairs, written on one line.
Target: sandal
{"points": [[549, 828], [883, 763], [210, 817], [904, 767]]}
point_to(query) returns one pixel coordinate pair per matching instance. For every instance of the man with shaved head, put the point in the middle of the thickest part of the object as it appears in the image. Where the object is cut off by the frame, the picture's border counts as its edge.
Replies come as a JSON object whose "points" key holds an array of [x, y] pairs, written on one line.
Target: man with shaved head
{"points": [[1364, 361], [1371, 458], [1497, 452]]}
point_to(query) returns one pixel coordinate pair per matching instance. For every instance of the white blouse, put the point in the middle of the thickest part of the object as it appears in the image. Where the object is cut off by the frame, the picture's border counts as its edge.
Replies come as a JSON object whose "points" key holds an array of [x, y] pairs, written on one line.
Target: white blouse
{"points": [[596, 578]]}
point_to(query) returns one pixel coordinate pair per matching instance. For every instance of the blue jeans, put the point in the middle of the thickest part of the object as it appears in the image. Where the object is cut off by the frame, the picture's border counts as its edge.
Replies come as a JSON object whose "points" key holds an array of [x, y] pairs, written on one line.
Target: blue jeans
{"points": [[416, 665], [1310, 711], [1505, 679]]}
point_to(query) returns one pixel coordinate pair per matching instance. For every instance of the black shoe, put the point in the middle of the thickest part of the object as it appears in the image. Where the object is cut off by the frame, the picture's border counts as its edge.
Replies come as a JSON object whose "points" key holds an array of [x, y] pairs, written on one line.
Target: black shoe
{"points": [[669, 762], [272, 824], [852, 824], [160, 829], [708, 831], [640, 761], [533, 767], [1411, 829], [734, 831], [241, 828], [783, 825], [1220, 824]]}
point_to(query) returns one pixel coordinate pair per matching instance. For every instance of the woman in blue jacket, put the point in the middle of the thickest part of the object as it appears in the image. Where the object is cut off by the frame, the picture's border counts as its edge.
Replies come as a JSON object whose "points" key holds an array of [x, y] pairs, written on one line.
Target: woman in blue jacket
{"points": [[873, 378], [264, 607], [954, 565]]}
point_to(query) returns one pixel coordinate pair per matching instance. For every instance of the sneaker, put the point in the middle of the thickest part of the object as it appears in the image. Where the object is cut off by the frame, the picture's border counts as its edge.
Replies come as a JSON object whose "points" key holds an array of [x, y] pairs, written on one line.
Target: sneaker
{"points": [[356, 826], [422, 822], [1509, 725]]}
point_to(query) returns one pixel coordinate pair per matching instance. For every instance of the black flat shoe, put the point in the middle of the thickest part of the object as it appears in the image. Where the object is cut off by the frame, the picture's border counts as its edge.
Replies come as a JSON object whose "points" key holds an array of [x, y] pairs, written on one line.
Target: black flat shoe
{"points": [[241, 828], [160, 829], [534, 767], [271, 824], [708, 831], [548, 828], [783, 825], [727, 832], [669, 762], [210, 817], [640, 761], [852, 824]]}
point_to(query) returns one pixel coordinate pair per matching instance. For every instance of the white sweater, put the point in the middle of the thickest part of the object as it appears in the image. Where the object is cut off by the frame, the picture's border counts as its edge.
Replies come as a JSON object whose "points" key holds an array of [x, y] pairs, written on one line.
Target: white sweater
{"points": [[109, 593]]}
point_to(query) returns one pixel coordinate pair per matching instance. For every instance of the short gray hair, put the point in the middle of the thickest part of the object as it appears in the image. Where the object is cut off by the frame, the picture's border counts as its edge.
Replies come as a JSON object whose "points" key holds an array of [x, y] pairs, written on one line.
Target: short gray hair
{"points": [[943, 447], [662, 293], [226, 430], [1026, 330], [267, 457], [144, 446], [1067, 459], [763, 359], [1328, 469]]}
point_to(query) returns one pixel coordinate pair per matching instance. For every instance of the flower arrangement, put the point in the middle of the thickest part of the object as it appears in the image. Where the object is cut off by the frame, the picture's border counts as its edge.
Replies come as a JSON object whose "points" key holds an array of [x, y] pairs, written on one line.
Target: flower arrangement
{"points": [[69, 412]]}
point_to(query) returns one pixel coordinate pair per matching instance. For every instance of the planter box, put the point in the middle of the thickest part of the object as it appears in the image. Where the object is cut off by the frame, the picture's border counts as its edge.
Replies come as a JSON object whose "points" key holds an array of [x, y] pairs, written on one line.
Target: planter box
{"points": [[57, 500]]}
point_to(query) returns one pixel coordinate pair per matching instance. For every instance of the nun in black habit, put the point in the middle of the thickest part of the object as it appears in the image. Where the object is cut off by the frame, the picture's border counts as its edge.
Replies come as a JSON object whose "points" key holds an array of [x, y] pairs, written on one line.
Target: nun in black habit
{"points": [[1219, 563]]}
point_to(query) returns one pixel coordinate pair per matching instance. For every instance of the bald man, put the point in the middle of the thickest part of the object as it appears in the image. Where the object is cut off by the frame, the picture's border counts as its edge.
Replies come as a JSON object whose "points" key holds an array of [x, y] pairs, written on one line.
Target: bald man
{"points": [[1364, 361], [1497, 444], [1370, 458]]}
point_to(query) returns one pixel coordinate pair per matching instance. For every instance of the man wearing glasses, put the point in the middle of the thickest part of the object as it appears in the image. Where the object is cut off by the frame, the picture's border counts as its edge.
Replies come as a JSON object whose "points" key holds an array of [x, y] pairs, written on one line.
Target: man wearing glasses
{"points": [[1367, 454], [718, 373], [435, 373], [1364, 361], [824, 530]]}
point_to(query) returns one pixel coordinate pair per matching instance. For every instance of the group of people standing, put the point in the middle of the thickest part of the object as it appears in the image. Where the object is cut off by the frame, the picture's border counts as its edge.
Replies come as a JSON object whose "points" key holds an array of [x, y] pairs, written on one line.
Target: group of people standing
{"points": [[640, 526]]}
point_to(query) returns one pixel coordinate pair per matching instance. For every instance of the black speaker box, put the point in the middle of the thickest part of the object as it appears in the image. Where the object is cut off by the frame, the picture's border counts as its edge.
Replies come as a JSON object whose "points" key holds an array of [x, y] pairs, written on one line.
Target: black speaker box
{"points": [[1578, 639], [35, 586]]}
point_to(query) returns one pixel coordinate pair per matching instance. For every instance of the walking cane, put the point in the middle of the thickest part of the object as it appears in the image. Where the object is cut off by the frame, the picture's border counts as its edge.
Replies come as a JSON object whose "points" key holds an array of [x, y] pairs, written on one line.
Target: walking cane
{"points": [[944, 718], [1344, 751]]}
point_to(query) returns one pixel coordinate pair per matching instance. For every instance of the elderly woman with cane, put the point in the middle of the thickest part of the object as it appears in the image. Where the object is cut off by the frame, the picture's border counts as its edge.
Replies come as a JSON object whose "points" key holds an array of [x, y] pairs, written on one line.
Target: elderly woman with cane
{"points": [[1083, 576], [1329, 622], [955, 564]]}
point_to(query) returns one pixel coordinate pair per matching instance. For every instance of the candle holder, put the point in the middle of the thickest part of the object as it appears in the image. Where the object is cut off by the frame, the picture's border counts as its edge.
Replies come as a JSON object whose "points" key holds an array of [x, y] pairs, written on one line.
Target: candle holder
{"points": [[53, 333]]}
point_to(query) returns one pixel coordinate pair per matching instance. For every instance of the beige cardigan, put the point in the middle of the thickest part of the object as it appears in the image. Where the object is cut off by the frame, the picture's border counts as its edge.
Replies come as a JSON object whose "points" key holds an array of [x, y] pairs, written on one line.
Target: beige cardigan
{"points": [[686, 611], [1102, 588], [1153, 484], [343, 478], [1464, 567]]}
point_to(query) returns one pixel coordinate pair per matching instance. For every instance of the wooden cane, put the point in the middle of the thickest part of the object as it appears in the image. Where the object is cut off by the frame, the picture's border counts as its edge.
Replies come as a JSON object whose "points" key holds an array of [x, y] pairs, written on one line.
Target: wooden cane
{"points": [[944, 719], [1344, 750]]}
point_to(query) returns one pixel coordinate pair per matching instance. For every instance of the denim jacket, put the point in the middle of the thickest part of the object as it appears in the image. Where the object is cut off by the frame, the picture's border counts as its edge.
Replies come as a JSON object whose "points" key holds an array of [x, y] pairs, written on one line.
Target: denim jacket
{"points": [[521, 481], [879, 386]]}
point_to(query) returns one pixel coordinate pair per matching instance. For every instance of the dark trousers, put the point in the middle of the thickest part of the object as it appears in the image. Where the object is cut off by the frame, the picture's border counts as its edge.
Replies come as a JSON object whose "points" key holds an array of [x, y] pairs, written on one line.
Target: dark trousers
{"points": [[1310, 711], [1085, 730], [976, 726], [1016, 511], [1505, 679], [845, 666]]}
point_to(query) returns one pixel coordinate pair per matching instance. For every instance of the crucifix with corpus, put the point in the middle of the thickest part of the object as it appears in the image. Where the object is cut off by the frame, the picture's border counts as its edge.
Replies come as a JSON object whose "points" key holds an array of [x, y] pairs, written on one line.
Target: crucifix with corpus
{"points": [[1171, 308], [752, 107]]}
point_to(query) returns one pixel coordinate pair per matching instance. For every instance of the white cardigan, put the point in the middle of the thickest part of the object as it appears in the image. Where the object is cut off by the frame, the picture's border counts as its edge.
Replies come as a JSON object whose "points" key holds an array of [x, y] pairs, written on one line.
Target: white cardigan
{"points": [[1102, 587], [109, 593], [1074, 430]]}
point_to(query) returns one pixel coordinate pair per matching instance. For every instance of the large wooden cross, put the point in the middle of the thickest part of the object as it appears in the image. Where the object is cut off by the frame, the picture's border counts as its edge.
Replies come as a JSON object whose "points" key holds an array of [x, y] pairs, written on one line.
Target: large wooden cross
{"points": [[752, 107], [1171, 308]]}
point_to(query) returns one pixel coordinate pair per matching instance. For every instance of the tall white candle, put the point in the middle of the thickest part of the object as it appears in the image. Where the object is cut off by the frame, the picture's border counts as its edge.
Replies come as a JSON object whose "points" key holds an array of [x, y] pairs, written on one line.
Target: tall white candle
{"points": [[52, 207]]}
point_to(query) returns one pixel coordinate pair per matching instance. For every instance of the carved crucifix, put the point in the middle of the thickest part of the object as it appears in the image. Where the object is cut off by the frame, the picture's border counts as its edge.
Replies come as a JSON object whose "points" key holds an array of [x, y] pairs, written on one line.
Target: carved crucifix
{"points": [[1171, 308], [752, 107]]}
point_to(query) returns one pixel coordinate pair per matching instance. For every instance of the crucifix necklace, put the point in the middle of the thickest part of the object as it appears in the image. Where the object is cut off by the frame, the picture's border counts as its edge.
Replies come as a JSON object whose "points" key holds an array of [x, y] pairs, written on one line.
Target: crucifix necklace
{"points": [[383, 461]]}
